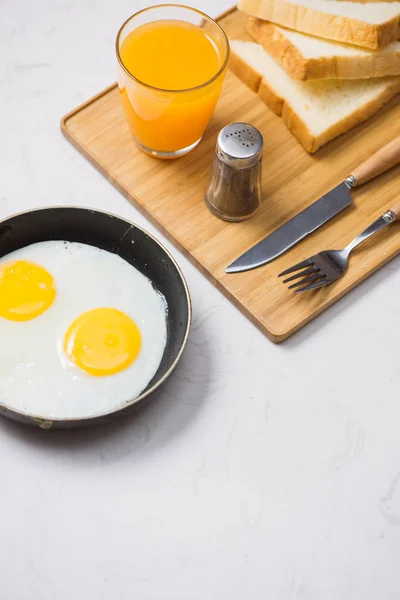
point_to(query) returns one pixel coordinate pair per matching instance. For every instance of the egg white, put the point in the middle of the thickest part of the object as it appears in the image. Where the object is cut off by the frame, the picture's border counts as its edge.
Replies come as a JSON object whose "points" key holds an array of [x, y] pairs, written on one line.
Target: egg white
{"points": [[35, 375]]}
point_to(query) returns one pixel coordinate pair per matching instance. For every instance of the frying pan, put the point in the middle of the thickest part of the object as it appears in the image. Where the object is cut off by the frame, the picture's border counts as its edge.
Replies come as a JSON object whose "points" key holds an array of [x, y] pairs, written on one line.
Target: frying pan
{"points": [[146, 254]]}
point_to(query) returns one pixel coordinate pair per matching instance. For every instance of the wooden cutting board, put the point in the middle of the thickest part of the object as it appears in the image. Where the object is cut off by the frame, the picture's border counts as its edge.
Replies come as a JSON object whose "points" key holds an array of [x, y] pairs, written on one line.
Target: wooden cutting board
{"points": [[170, 194]]}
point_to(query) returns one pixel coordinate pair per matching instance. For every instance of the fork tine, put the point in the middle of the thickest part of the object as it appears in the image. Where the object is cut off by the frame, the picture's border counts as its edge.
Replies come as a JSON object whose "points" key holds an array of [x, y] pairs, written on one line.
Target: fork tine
{"points": [[307, 280], [301, 274], [300, 265], [313, 286]]}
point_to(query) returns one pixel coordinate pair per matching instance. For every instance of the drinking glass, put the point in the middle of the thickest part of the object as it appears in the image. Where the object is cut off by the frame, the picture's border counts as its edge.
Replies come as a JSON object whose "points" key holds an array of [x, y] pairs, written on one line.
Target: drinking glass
{"points": [[168, 123]]}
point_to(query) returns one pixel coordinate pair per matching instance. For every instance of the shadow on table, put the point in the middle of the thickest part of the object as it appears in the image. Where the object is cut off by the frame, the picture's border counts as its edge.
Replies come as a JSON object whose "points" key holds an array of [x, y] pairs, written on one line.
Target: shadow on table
{"points": [[154, 425]]}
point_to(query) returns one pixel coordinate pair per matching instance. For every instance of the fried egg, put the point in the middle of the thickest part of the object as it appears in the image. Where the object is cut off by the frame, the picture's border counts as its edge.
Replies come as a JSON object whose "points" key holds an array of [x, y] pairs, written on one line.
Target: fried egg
{"points": [[82, 331]]}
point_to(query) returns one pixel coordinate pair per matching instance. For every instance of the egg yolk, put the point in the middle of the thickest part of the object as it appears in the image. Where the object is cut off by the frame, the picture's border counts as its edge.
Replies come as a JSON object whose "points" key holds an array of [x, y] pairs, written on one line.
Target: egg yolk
{"points": [[103, 341], [26, 290]]}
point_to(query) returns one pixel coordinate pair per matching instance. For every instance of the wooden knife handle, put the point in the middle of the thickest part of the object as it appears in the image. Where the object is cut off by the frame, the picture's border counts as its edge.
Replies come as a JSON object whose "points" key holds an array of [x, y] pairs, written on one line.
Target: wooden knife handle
{"points": [[383, 160]]}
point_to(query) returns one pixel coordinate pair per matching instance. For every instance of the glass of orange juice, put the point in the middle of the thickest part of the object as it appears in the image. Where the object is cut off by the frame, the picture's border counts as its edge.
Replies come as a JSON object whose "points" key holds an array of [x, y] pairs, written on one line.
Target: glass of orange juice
{"points": [[172, 61]]}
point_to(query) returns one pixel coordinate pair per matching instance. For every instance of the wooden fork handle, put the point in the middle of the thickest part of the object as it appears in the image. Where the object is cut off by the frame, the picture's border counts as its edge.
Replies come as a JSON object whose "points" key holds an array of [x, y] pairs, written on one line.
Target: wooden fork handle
{"points": [[396, 210], [383, 160]]}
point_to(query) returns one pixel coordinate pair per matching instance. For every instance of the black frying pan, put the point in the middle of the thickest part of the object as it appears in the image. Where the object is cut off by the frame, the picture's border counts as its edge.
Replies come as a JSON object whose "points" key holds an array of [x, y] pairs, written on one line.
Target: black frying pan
{"points": [[114, 234]]}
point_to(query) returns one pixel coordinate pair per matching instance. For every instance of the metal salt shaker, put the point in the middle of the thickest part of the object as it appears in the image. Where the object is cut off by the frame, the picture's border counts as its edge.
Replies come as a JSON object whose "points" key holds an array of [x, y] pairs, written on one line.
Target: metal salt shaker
{"points": [[233, 192]]}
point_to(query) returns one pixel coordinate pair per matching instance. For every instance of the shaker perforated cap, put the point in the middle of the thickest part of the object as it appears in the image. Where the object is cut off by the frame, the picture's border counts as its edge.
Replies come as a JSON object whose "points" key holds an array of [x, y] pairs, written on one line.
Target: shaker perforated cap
{"points": [[239, 145]]}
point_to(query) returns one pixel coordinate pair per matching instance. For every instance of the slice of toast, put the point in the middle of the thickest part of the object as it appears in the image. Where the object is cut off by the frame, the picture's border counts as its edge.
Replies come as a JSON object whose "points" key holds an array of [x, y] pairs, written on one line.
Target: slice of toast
{"points": [[372, 25], [314, 111], [306, 57]]}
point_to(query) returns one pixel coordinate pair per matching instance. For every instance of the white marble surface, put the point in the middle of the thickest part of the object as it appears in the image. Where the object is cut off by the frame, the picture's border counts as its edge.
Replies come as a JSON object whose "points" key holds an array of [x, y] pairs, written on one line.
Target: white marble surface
{"points": [[262, 471]]}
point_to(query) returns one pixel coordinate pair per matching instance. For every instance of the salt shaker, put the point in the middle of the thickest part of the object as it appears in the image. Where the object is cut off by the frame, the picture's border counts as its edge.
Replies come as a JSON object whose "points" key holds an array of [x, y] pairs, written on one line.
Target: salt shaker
{"points": [[233, 192]]}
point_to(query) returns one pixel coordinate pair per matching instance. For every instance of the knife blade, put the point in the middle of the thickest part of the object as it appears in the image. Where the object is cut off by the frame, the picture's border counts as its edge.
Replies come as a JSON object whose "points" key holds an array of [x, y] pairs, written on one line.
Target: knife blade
{"points": [[296, 229], [327, 207]]}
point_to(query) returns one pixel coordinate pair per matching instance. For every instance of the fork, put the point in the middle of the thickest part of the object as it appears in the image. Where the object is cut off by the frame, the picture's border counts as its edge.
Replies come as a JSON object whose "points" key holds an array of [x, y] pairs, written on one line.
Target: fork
{"points": [[327, 266]]}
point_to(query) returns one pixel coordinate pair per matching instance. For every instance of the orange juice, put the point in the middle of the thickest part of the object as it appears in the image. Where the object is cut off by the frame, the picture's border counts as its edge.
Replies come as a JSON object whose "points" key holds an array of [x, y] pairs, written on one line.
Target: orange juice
{"points": [[170, 83]]}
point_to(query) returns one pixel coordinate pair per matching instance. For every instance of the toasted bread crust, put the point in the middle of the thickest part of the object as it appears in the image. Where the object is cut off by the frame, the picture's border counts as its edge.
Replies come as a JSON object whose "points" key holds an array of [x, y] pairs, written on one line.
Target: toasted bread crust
{"points": [[249, 76], [280, 47], [281, 107], [374, 64], [332, 27]]}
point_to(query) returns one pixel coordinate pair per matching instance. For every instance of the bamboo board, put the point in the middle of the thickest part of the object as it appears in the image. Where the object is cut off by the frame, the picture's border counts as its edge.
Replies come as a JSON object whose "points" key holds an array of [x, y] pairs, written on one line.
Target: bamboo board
{"points": [[170, 194]]}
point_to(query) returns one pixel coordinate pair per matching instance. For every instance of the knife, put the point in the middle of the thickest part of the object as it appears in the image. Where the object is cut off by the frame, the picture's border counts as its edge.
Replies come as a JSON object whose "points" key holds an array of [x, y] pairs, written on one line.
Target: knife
{"points": [[314, 216]]}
